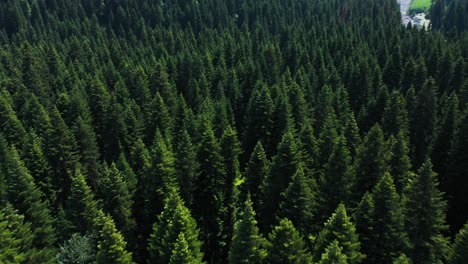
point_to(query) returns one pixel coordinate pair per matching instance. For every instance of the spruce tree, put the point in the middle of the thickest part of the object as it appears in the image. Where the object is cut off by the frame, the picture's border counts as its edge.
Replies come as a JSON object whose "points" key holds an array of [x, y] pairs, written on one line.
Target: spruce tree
{"points": [[258, 119], [399, 162], [283, 167], [256, 170], [423, 121], [231, 149], [459, 253], [61, 152], [248, 245], [333, 255], [299, 201], [209, 207], [29, 200], [287, 245], [371, 161], [402, 259], [36, 163], [364, 219], [339, 228], [388, 223], [174, 220], [425, 217], [16, 238], [111, 245], [186, 166], [81, 207], [117, 200], [337, 179], [88, 150], [181, 253]]}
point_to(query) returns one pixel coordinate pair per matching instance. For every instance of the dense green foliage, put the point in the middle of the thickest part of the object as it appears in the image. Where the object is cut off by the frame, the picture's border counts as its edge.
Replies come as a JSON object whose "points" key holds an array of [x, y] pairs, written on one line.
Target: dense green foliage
{"points": [[202, 131]]}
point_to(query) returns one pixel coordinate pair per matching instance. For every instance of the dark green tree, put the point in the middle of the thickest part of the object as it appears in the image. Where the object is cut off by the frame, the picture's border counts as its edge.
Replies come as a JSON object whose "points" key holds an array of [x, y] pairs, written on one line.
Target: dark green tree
{"points": [[400, 163], [333, 255], [337, 179], [30, 202], [81, 207], [423, 121], [283, 167], [209, 206], [287, 245], [111, 244], [425, 208], [117, 201], [364, 218], [174, 220], [248, 245], [256, 170], [181, 253], [299, 202], [371, 161], [258, 120], [388, 223], [186, 166], [339, 228], [459, 253]]}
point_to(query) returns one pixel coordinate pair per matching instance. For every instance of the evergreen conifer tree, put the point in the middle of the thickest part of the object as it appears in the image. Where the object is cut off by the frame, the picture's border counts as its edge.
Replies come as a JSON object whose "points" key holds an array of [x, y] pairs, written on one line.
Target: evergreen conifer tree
{"points": [[425, 217], [287, 245], [174, 220], [248, 245], [339, 228], [333, 255], [111, 245]]}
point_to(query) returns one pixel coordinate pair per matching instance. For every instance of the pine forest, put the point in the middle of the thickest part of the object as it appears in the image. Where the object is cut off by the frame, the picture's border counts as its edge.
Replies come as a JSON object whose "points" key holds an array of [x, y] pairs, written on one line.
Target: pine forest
{"points": [[233, 131]]}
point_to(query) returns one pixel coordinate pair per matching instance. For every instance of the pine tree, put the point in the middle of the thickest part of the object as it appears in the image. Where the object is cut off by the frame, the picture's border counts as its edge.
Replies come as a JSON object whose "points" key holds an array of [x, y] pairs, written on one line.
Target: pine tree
{"points": [[339, 228], [231, 149], [181, 253], [111, 245], [402, 259], [81, 207], [364, 218], [61, 152], [12, 127], [424, 121], [309, 148], [28, 199], [248, 245], [173, 221], [425, 217], [371, 160], [459, 253], [157, 180], [283, 167], [88, 150], [36, 163], [15, 237], [336, 181], [299, 202], [117, 200], [333, 255], [209, 205], [255, 173], [186, 166], [258, 120], [457, 173], [395, 118], [400, 163], [388, 223], [287, 245]]}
